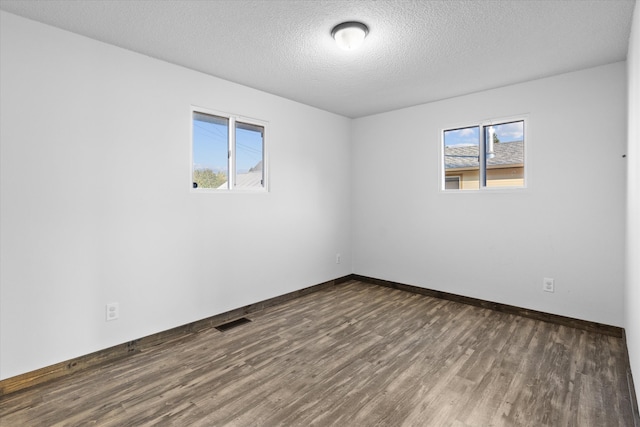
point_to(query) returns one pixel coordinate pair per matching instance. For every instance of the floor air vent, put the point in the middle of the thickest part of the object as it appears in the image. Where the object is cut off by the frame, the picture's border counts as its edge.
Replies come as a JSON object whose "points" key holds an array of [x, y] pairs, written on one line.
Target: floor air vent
{"points": [[232, 324]]}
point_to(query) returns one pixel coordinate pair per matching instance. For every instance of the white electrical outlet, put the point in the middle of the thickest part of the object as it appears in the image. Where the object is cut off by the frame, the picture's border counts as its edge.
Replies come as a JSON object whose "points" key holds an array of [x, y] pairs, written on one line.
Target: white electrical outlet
{"points": [[548, 284], [113, 311], [338, 259]]}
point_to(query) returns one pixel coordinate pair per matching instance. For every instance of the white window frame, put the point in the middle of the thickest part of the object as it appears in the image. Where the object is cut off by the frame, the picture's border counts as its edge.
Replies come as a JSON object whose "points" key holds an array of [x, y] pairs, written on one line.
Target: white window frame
{"points": [[525, 118], [231, 158]]}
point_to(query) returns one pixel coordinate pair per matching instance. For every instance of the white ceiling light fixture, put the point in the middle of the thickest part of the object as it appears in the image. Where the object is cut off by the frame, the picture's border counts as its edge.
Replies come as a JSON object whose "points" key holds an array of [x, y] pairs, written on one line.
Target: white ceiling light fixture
{"points": [[349, 35]]}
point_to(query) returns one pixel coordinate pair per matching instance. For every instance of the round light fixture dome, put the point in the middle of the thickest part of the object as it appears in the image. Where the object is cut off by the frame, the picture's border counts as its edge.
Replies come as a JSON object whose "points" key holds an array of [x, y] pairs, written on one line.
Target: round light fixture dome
{"points": [[349, 35]]}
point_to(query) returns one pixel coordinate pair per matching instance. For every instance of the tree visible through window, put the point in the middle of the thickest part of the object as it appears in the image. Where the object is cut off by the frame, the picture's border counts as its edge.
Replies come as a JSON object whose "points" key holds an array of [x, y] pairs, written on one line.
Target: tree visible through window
{"points": [[484, 155], [227, 153]]}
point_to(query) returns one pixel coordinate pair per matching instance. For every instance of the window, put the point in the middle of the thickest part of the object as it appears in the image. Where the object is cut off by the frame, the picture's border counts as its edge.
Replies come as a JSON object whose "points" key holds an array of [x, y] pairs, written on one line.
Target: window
{"points": [[485, 155], [452, 182], [228, 153]]}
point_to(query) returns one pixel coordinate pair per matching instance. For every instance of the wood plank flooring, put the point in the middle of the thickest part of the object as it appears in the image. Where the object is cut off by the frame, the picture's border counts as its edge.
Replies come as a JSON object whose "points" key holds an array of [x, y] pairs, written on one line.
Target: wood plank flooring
{"points": [[351, 355]]}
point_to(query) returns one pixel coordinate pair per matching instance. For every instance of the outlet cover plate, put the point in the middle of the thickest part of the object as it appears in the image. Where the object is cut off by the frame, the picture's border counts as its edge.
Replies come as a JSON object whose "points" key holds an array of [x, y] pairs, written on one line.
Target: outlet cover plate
{"points": [[112, 311]]}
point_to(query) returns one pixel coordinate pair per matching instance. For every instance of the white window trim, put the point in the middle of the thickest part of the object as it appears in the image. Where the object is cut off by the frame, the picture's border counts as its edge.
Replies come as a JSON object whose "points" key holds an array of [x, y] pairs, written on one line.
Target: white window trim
{"points": [[231, 166], [526, 118]]}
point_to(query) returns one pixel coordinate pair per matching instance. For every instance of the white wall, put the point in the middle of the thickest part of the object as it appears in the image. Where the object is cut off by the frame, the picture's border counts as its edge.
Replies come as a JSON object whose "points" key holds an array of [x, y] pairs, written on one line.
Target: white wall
{"points": [[569, 224], [632, 324], [96, 207]]}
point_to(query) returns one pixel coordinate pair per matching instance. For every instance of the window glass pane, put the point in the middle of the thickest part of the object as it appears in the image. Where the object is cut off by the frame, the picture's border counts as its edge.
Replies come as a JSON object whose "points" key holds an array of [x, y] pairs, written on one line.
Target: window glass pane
{"points": [[505, 154], [249, 155], [452, 183], [461, 147], [210, 151]]}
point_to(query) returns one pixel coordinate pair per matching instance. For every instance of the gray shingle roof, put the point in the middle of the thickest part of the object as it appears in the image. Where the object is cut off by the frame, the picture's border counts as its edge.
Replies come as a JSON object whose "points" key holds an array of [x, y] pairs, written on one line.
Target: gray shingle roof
{"points": [[466, 156]]}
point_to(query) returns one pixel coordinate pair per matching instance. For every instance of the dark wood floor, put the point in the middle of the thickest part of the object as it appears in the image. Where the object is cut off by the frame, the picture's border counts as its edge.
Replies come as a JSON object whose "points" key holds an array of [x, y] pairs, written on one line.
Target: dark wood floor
{"points": [[352, 355]]}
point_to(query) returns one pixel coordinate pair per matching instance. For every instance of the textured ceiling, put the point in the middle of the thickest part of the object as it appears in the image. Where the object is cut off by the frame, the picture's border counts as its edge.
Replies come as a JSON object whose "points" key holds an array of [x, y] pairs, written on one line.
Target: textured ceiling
{"points": [[416, 51]]}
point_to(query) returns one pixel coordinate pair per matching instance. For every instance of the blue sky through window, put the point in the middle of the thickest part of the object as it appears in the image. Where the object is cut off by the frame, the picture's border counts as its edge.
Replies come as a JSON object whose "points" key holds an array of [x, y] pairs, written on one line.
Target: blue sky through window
{"points": [[464, 136], [210, 144], [210, 136], [507, 132], [248, 147]]}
